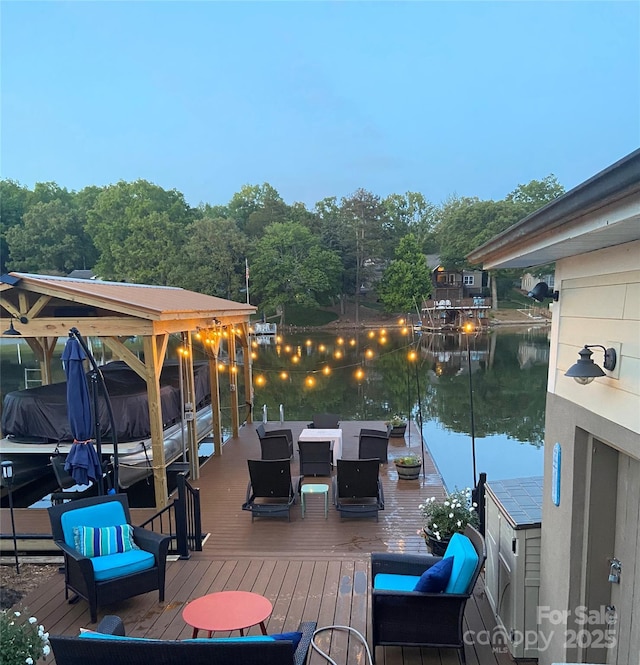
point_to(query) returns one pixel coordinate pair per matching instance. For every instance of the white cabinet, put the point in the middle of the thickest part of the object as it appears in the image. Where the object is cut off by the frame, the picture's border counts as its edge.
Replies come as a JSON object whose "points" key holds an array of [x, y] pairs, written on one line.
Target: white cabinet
{"points": [[512, 578]]}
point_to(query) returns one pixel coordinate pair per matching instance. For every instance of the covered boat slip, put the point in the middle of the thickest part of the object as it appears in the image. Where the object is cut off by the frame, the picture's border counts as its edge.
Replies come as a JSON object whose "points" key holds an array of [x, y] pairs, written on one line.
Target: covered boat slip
{"points": [[45, 308], [312, 569]]}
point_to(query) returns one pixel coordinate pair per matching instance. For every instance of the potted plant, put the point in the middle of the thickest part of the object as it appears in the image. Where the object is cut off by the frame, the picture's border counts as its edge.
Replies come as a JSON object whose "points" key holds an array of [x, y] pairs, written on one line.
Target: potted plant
{"points": [[396, 426], [408, 467], [22, 639], [441, 519]]}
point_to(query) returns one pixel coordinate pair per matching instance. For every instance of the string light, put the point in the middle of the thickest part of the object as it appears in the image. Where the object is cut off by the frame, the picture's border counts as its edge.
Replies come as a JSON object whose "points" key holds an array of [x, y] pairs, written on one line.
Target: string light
{"points": [[326, 370], [359, 374], [284, 375], [260, 380], [310, 382]]}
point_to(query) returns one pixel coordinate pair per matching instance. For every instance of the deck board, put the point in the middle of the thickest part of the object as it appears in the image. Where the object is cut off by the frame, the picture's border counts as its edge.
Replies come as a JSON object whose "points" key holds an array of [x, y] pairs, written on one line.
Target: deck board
{"points": [[313, 569]]}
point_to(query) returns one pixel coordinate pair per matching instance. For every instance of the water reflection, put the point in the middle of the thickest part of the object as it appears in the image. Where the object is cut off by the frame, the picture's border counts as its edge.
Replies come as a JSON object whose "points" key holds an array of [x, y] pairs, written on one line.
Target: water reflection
{"points": [[369, 377]]}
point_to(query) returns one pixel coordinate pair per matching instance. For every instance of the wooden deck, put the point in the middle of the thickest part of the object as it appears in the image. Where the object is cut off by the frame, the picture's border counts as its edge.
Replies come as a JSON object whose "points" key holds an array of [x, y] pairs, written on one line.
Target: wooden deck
{"points": [[311, 569]]}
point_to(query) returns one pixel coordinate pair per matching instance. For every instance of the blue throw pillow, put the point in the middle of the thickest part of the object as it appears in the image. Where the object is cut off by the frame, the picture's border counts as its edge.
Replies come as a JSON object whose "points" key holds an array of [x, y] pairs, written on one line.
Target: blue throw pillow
{"points": [[435, 579], [294, 637]]}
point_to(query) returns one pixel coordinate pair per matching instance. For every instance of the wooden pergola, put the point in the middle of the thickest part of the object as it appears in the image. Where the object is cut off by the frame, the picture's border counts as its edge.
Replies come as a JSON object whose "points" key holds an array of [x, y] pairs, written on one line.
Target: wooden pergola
{"points": [[43, 308]]}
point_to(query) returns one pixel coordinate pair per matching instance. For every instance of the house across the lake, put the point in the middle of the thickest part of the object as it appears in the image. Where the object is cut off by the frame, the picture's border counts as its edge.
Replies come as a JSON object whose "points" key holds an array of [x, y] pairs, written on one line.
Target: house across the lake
{"points": [[589, 602], [457, 297]]}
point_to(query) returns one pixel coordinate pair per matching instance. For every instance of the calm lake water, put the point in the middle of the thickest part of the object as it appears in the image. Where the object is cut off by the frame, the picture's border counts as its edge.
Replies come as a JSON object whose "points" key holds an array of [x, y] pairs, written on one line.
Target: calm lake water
{"points": [[369, 376]]}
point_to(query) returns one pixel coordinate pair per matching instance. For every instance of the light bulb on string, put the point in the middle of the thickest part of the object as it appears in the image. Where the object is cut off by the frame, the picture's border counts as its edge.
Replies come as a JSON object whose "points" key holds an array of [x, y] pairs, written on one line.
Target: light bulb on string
{"points": [[310, 382], [326, 370]]}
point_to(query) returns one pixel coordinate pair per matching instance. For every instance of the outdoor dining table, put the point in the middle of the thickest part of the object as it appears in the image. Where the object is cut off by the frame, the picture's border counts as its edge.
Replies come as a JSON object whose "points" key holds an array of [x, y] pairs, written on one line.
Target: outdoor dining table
{"points": [[332, 435]]}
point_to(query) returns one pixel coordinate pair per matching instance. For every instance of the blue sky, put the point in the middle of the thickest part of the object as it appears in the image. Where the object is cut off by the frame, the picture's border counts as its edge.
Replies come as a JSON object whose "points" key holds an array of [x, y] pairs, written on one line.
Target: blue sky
{"points": [[318, 98]]}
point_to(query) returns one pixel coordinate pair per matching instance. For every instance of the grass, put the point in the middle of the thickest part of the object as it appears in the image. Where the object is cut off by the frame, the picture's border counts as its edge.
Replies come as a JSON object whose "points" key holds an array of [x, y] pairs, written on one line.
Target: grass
{"points": [[304, 316], [515, 300]]}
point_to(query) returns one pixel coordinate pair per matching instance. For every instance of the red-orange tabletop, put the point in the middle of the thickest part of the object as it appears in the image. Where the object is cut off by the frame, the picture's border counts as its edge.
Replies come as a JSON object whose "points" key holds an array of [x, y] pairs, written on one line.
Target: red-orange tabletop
{"points": [[227, 610]]}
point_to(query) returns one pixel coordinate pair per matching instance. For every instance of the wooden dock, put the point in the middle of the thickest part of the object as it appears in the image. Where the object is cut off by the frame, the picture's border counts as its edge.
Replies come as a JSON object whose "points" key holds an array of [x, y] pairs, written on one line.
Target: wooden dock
{"points": [[313, 569]]}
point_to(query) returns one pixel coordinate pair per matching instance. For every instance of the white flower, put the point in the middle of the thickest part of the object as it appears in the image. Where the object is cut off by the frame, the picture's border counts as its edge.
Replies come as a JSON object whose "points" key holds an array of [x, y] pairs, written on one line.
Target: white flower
{"points": [[446, 503], [474, 505], [450, 514], [29, 660], [33, 620], [16, 614], [46, 649], [459, 523], [471, 509]]}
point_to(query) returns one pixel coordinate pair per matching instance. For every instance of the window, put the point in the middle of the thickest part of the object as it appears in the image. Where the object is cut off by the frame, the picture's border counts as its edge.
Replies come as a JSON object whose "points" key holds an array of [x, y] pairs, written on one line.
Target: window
{"points": [[468, 280]]}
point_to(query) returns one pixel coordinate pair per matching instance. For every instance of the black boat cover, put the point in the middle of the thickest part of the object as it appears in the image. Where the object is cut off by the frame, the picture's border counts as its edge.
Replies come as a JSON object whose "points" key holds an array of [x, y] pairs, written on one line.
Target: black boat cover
{"points": [[39, 415]]}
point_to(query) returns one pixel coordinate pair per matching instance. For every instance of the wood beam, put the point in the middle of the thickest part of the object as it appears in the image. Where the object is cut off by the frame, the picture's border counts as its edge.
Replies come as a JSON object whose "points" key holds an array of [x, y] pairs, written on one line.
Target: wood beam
{"points": [[233, 384], [190, 398], [153, 370], [125, 354], [248, 378]]}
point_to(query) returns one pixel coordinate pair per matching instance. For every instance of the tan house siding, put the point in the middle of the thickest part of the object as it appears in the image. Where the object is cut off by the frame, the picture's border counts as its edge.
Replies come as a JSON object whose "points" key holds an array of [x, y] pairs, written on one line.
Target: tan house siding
{"points": [[598, 428]]}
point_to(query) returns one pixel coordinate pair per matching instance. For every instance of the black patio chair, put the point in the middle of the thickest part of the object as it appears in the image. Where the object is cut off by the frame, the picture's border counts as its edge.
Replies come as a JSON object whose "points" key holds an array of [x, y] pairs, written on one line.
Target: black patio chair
{"points": [[96, 575], [412, 618], [325, 421], [275, 443], [357, 490], [271, 491], [315, 458], [373, 443]]}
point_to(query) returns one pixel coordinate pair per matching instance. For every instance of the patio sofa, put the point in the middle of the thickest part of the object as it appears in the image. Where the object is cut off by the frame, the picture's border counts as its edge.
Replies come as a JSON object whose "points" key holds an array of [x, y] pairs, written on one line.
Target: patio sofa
{"points": [[108, 645]]}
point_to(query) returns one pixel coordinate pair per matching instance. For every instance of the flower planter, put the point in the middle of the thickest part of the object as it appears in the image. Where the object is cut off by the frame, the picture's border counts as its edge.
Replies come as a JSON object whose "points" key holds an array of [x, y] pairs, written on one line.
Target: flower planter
{"points": [[397, 431], [436, 547], [409, 472]]}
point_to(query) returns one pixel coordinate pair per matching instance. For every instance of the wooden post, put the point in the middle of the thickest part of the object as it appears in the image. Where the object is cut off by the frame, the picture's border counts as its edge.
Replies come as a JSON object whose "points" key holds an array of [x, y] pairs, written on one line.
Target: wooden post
{"points": [[245, 341], [153, 367], [190, 414], [233, 382]]}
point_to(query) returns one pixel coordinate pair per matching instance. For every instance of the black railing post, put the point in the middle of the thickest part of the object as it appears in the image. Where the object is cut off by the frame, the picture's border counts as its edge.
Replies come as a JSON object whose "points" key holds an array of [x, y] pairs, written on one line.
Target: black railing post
{"points": [[180, 506], [478, 496], [197, 520]]}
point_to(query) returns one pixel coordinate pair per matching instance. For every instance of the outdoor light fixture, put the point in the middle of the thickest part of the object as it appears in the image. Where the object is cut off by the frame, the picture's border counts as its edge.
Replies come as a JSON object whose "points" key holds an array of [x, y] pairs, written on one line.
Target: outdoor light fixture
{"points": [[7, 477], [12, 331], [585, 370], [541, 291]]}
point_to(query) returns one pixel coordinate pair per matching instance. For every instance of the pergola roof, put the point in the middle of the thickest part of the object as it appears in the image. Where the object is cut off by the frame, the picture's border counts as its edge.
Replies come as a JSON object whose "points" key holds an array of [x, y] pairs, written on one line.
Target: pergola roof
{"points": [[50, 305]]}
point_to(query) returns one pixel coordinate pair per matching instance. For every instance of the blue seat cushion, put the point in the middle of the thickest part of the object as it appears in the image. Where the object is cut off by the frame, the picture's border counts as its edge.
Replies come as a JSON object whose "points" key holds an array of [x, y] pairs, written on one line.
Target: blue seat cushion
{"points": [[293, 636], [231, 640], [391, 582], [94, 635], [435, 579], [102, 514], [117, 565], [465, 561]]}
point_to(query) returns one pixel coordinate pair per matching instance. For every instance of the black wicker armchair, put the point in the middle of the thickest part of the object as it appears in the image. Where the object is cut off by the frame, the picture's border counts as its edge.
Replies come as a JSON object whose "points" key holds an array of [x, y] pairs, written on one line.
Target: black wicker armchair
{"points": [[411, 618], [271, 491], [100, 580], [373, 443], [275, 443]]}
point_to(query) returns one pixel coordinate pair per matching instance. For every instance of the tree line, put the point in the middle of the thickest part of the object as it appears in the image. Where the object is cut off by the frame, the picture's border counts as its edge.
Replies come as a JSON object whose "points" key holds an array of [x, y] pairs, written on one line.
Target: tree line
{"points": [[141, 233]]}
